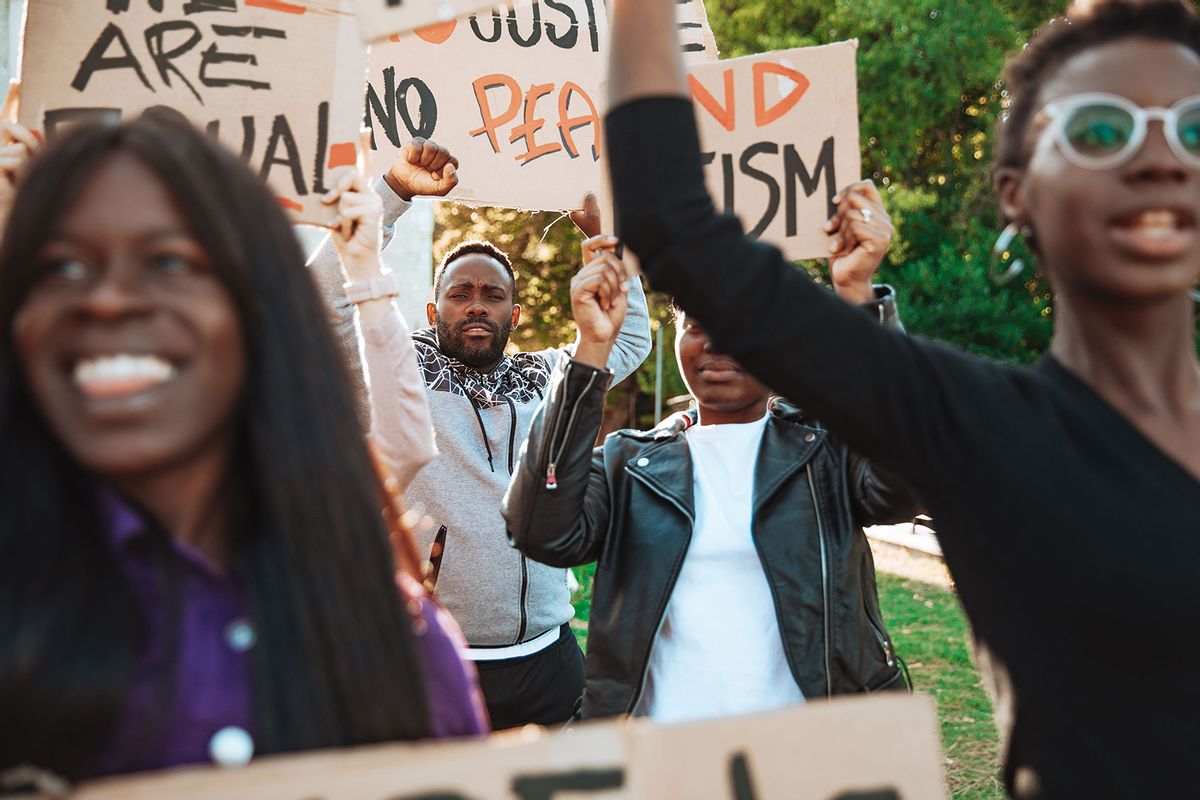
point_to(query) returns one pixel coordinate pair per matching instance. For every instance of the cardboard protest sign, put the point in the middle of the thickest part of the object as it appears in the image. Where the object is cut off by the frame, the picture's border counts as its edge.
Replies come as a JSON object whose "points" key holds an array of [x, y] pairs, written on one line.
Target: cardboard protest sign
{"points": [[279, 81], [695, 34], [883, 747], [382, 18], [867, 748], [515, 94], [780, 137]]}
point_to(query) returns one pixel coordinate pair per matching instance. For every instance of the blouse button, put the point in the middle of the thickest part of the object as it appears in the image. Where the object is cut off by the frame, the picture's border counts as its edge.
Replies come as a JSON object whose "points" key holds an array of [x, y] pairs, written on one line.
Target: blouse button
{"points": [[231, 747], [240, 635], [643, 462], [810, 437]]}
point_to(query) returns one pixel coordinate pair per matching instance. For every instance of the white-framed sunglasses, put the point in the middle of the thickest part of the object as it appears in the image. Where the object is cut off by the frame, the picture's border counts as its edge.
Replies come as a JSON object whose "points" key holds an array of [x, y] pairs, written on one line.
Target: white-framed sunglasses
{"points": [[1097, 130]]}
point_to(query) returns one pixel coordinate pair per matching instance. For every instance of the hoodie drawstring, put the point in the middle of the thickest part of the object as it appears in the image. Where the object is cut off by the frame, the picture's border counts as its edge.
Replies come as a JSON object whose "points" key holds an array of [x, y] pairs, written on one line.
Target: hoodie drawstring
{"points": [[483, 431]]}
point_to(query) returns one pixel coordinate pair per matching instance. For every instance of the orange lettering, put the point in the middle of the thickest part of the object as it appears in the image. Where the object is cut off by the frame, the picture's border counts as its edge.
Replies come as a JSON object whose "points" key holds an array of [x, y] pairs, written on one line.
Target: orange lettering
{"points": [[762, 114], [491, 122], [568, 124], [277, 5], [726, 115], [528, 130]]}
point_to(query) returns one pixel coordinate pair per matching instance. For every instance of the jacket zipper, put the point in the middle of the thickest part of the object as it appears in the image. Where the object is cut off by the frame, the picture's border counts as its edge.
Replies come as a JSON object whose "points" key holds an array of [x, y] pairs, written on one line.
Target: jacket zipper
{"points": [[524, 598], [662, 611], [824, 579], [888, 653], [552, 466], [553, 422]]}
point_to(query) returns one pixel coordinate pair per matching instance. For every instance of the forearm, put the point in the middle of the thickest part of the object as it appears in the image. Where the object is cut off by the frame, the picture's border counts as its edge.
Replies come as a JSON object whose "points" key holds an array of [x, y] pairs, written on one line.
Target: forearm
{"points": [[401, 426], [878, 496], [644, 60], [633, 343], [326, 268], [556, 506]]}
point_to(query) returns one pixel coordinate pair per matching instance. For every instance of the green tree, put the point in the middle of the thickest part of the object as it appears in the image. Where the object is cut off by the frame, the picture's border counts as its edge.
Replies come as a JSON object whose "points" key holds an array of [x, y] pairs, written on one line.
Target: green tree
{"points": [[929, 98]]}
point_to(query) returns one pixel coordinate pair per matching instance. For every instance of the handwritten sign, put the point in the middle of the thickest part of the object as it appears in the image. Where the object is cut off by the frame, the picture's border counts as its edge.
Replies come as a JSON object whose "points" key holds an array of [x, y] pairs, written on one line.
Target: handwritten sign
{"points": [[383, 18], [695, 34], [780, 137], [865, 748], [279, 81], [514, 93]]}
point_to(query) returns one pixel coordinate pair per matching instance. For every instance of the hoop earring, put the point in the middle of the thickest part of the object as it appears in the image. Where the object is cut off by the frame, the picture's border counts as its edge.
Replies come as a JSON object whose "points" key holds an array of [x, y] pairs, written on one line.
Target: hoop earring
{"points": [[1000, 274]]}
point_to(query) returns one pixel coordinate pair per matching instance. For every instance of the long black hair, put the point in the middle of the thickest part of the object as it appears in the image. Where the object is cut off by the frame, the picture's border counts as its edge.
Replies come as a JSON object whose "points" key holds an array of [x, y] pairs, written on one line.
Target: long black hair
{"points": [[335, 663]]}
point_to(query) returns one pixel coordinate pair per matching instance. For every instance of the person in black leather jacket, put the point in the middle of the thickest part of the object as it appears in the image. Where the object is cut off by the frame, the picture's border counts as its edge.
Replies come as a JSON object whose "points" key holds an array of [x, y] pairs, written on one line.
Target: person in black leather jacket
{"points": [[733, 572]]}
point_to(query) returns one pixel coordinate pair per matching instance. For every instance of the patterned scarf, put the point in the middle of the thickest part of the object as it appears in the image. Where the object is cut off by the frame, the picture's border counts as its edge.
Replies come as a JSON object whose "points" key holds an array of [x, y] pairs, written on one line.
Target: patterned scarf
{"points": [[519, 378]]}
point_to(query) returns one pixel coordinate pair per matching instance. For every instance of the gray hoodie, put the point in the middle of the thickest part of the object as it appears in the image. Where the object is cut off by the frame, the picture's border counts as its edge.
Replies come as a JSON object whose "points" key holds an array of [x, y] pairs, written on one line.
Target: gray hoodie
{"points": [[481, 420]]}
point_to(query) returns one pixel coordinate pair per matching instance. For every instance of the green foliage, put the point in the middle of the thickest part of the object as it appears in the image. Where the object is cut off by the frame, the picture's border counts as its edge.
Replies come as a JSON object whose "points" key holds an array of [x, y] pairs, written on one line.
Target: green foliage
{"points": [[932, 636], [544, 249], [929, 98]]}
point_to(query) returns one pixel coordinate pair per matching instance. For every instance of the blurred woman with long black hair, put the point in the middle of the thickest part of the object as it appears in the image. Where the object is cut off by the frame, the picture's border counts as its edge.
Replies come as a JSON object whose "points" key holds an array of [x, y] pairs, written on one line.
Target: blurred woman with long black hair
{"points": [[193, 561]]}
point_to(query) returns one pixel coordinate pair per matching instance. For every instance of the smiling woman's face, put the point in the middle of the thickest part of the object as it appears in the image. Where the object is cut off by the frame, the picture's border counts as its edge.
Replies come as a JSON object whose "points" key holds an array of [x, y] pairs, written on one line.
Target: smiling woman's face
{"points": [[130, 344], [1130, 232]]}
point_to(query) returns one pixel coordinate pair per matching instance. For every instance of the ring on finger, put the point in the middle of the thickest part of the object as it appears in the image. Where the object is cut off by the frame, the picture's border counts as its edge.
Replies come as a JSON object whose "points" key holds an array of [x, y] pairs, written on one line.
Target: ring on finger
{"points": [[866, 214]]}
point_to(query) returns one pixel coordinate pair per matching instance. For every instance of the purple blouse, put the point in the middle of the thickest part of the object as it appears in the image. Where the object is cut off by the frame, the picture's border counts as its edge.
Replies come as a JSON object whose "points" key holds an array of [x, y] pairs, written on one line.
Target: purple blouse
{"points": [[213, 671]]}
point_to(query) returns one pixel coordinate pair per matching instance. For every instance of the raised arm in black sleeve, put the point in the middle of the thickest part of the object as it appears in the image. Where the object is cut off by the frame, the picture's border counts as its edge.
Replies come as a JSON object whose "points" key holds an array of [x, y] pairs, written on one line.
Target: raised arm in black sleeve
{"points": [[895, 400]]}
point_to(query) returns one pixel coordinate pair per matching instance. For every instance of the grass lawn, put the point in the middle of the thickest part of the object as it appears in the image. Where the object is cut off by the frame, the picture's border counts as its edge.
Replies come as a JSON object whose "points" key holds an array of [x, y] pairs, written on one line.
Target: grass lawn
{"points": [[931, 635]]}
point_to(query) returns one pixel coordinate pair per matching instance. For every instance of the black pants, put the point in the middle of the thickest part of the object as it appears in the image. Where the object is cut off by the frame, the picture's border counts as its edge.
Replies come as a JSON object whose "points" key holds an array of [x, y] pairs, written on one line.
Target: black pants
{"points": [[542, 689]]}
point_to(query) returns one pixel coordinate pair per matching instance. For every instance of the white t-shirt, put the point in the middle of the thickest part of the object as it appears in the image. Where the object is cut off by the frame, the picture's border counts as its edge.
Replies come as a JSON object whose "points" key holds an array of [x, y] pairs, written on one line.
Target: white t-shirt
{"points": [[719, 650]]}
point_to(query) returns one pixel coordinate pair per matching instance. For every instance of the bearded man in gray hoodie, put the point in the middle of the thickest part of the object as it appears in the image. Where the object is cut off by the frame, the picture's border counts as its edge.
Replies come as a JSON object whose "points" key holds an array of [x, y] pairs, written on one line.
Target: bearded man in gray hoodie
{"points": [[513, 611]]}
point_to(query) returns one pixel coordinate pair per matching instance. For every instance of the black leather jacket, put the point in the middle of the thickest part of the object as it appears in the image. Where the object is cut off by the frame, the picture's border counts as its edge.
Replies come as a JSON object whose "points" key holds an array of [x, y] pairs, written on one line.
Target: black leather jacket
{"points": [[628, 505]]}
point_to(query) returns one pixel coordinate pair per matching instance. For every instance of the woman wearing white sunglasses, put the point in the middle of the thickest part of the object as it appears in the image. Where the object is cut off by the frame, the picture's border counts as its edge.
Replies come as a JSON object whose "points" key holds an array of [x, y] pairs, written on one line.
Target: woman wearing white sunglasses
{"points": [[1067, 494]]}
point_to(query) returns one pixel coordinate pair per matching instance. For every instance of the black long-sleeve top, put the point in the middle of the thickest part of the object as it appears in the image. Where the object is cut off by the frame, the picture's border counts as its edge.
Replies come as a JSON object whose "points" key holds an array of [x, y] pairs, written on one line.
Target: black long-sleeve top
{"points": [[1074, 541]]}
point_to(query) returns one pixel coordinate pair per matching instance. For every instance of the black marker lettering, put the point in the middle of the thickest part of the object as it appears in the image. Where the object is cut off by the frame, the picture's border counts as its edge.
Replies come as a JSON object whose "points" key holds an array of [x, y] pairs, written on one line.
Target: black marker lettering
{"points": [[571, 37], [767, 179], [794, 169], [214, 56], [427, 110], [322, 146], [497, 27], [281, 131], [385, 109], [96, 60], [156, 36], [534, 36], [544, 787], [739, 778]]}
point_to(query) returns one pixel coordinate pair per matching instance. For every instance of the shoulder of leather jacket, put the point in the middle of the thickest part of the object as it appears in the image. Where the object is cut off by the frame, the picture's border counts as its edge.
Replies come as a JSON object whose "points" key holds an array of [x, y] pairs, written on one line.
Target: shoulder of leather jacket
{"points": [[780, 409]]}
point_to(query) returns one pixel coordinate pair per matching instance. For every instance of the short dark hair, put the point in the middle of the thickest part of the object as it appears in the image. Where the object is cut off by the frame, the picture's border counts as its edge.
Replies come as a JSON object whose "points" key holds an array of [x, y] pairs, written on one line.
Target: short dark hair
{"points": [[473, 247], [337, 663], [1065, 37], [674, 307]]}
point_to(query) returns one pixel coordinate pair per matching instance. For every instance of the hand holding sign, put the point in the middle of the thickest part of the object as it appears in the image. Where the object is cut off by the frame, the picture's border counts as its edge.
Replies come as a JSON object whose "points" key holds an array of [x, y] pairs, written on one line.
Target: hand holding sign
{"points": [[357, 233], [599, 300], [17, 146], [423, 168], [587, 219], [861, 231]]}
